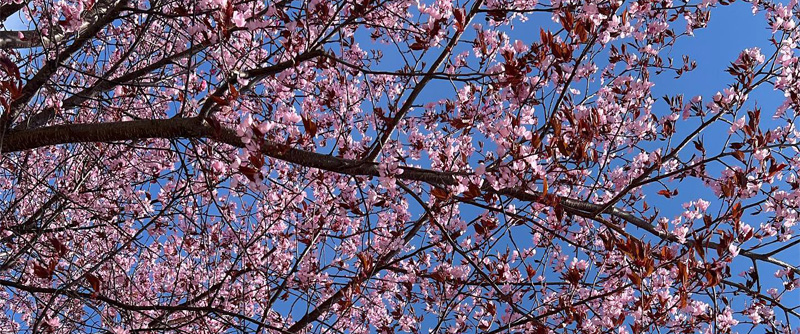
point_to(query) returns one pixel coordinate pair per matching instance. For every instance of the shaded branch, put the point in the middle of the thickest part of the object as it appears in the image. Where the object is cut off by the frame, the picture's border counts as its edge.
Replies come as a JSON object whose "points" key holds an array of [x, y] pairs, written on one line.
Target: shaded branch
{"points": [[131, 307], [25, 39], [104, 85], [7, 10], [16, 141]]}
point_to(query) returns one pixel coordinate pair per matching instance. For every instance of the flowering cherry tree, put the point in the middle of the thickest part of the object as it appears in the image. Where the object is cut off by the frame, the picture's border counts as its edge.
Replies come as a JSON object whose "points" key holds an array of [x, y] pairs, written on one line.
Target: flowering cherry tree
{"points": [[382, 166]]}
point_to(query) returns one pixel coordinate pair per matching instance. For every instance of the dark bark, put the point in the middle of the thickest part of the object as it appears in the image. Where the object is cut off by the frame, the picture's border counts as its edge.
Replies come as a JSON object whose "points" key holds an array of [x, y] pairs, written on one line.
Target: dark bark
{"points": [[13, 40], [197, 128], [9, 9]]}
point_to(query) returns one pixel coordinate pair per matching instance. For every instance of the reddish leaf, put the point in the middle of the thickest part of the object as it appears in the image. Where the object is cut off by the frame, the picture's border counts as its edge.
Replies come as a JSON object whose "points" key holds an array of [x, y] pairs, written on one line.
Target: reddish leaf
{"points": [[366, 262], [712, 278], [736, 212], [559, 211], [544, 186], [257, 160], [773, 169], [440, 193], [418, 44], [249, 172], [472, 191], [41, 272], [310, 126], [698, 247], [530, 271], [234, 93], [460, 18], [94, 282], [684, 300], [683, 273], [699, 146], [707, 220], [60, 248], [635, 279], [438, 276], [581, 31], [491, 308]]}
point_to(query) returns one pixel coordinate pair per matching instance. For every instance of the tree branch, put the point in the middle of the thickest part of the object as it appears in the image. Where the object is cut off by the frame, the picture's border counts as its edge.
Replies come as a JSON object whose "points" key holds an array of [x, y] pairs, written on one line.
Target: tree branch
{"points": [[25, 39], [131, 307], [104, 85], [256, 74], [51, 66], [16, 141], [384, 137], [7, 10]]}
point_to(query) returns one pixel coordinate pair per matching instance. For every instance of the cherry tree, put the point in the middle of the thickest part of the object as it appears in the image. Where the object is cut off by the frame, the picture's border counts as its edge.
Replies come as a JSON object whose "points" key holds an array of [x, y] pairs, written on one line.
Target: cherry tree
{"points": [[382, 166]]}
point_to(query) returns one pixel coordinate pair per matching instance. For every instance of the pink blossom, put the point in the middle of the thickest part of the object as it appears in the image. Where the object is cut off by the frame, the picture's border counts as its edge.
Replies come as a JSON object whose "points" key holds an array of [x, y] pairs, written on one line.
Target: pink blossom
{"points": [[377, 166], [737, 125], [119, 330], [238, 19], [53, 322], [680, 233], [761, 154], [725, 319]]}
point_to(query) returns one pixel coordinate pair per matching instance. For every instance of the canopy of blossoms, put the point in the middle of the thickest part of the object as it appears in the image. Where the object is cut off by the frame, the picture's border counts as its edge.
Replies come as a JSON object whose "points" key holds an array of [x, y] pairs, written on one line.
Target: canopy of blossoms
{"points": [[384, 166]]}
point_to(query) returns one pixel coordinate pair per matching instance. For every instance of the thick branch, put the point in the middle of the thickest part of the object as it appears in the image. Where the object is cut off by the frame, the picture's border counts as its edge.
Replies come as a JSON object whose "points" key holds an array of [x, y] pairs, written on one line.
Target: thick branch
{"points": [[7, 10], [19, 39], [23, 140]]}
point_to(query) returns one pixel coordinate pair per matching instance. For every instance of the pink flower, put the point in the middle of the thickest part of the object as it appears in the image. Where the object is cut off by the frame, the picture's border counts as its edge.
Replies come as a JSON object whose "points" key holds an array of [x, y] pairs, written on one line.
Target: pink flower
{"points": [[239, 19], [72, 15], [696, 308], [218, 166], [119, 330], [579, 264], [680, 233], [725, 319], [761, 154], [773, 292], [407, 323], [737, 125], [53, 322], [734, 250], [702, 205]]}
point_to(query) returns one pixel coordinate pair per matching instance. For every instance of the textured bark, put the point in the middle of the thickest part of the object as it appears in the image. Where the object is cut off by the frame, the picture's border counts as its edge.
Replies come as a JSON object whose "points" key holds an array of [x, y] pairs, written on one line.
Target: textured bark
{"points": [[188, 128], [9, 9], [19, 39]]}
